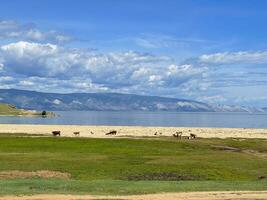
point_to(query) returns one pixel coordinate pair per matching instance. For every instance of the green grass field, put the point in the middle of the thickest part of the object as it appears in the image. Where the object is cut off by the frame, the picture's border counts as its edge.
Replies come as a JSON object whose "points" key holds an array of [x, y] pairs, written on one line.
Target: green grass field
{"points": [[133, 166]]}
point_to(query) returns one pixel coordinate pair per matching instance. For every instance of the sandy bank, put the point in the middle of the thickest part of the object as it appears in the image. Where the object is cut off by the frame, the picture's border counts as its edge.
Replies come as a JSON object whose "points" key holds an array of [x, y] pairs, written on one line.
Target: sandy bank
{"points": [[137, 131]]}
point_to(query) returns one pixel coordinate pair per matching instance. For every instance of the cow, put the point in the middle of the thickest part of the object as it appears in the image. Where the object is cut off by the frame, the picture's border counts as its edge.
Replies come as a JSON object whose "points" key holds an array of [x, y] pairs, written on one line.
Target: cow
{"points": [[178, 134], [76, 133], [56, 133], [113, 132], [193, 136]]}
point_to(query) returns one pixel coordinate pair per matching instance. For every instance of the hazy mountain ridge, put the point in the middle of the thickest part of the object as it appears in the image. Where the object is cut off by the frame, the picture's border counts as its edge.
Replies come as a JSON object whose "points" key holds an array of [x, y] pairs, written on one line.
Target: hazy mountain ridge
{"points": [[109, 101]]}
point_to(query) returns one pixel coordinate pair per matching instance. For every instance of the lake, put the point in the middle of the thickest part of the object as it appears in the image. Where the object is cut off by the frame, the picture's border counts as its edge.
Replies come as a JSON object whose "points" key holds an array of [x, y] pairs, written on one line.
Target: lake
{"points": [[136, 118]]}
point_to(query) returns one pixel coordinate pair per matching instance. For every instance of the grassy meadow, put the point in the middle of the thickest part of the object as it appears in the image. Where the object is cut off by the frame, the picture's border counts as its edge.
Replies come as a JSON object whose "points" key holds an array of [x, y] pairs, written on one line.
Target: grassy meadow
{"points": [[133, 166]]}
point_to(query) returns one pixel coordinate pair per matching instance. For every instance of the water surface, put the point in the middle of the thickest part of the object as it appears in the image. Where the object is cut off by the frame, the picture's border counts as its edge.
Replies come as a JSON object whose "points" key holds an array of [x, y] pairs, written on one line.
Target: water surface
{"points": [[135, 118]]}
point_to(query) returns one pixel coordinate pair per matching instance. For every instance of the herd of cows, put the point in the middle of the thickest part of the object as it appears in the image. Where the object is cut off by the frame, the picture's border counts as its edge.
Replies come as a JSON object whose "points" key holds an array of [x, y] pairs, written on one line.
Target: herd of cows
{"points": [[177, 135]]}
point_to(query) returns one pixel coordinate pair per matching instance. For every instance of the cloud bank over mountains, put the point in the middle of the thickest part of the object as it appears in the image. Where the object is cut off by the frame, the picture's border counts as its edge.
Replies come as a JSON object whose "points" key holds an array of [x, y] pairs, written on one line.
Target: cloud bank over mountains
{"points": [[34, 59], [40, 64]]}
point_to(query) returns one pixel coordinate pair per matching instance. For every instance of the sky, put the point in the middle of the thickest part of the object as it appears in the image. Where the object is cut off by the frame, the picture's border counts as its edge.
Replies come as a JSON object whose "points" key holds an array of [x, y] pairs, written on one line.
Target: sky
{"points": [[205, 50]]}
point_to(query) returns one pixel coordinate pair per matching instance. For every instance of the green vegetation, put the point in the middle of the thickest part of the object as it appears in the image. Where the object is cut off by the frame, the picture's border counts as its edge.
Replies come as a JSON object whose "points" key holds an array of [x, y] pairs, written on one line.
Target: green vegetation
{"points": [[44, 113], [10, 110], [133, 166], [112, 187]]}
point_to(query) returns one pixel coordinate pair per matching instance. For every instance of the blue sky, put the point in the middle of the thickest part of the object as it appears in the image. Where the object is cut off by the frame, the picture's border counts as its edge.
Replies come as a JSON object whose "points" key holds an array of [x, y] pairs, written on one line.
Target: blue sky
{"points": [[211, 51]]}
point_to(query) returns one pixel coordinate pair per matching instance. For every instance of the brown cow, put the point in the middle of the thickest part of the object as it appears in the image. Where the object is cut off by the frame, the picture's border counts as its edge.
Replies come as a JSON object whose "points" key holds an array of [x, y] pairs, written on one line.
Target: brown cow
{"points": [[56, 133], [76, 133]]}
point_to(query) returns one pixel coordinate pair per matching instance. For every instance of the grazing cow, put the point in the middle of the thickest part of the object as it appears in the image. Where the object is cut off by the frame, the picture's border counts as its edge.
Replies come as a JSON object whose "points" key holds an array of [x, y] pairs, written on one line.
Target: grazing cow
{"points": [[56, 133], [76, 133], [112, 132], [178, 134], [193, 136]]}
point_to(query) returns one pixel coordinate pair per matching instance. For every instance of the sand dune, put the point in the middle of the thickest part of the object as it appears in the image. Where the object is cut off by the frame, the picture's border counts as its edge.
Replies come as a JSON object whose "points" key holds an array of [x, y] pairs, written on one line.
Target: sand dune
{"points": [[133, 131]]}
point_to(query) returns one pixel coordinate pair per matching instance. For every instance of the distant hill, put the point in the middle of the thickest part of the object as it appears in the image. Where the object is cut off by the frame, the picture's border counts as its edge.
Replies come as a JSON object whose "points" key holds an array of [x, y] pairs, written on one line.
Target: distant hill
{"points": [[7, 109], [108, 101], [10, 110]]}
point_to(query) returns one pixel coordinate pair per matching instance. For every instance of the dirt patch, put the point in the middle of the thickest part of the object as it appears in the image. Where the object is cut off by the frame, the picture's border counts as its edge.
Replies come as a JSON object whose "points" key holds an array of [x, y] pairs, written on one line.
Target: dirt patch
{"points": [[255, 153], [162, 177], [233, 195], [37, 174], [246, 151], [23, 135], [226, 148], [262, 178]]}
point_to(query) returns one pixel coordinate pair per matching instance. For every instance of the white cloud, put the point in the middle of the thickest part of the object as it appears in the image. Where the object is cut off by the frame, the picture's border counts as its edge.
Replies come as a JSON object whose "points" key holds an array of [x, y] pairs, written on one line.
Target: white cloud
{"points": [[13, 30], [212, 99], [6, 78], [26, 83], [156, 41], [50, 66], [184, 70], [235, 57]]}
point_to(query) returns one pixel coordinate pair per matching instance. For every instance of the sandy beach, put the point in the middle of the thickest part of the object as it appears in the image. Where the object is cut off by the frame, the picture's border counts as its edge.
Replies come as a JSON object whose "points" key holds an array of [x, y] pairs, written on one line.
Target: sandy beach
{"points": [[133, 131]]}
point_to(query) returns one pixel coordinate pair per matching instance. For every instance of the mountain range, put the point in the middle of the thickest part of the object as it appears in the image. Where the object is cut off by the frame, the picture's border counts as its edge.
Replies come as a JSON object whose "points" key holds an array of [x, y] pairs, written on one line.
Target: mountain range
{"points": [[110, 101]]}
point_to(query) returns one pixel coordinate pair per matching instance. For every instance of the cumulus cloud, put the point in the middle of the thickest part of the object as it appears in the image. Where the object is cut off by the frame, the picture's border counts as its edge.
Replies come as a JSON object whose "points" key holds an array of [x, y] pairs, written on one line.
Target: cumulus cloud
{"points": [[13, 30], [84, 70], [235, 57], [52, 67], [178, 74]]}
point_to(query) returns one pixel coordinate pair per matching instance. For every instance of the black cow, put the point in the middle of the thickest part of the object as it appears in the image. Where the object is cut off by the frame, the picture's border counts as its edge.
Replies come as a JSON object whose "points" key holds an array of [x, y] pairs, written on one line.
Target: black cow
{"points": [[178, 134], [193, 136], [112, 132]]}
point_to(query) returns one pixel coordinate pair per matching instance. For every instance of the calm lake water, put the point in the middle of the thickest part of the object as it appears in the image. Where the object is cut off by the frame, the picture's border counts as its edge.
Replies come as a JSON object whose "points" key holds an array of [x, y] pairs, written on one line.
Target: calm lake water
{"points": [[238, 120]]}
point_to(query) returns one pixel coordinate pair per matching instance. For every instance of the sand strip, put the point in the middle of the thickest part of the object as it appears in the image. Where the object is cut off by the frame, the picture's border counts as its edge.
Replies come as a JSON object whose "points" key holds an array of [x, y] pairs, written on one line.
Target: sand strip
{"points": [[133, 131], [230, 195]]}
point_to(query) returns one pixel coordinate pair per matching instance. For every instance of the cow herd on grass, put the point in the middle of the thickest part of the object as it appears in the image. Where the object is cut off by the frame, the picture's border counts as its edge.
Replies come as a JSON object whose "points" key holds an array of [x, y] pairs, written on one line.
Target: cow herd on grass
{"points": [[178, 134]]}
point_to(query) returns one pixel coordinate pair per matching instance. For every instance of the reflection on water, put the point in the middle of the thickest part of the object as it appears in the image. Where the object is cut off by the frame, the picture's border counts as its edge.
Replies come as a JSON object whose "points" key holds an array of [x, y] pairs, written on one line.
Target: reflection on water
{"points": [[242, 120]]}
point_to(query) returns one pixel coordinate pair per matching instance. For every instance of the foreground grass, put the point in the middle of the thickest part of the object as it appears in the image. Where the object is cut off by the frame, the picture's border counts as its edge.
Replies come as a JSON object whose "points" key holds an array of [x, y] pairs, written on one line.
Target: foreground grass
{"points": [[134, 166], [111, 187]]}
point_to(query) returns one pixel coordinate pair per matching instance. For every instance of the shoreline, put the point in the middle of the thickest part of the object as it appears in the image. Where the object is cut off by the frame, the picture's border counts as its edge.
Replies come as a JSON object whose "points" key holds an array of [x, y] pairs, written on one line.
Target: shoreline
{"points": [[133, 131]]}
